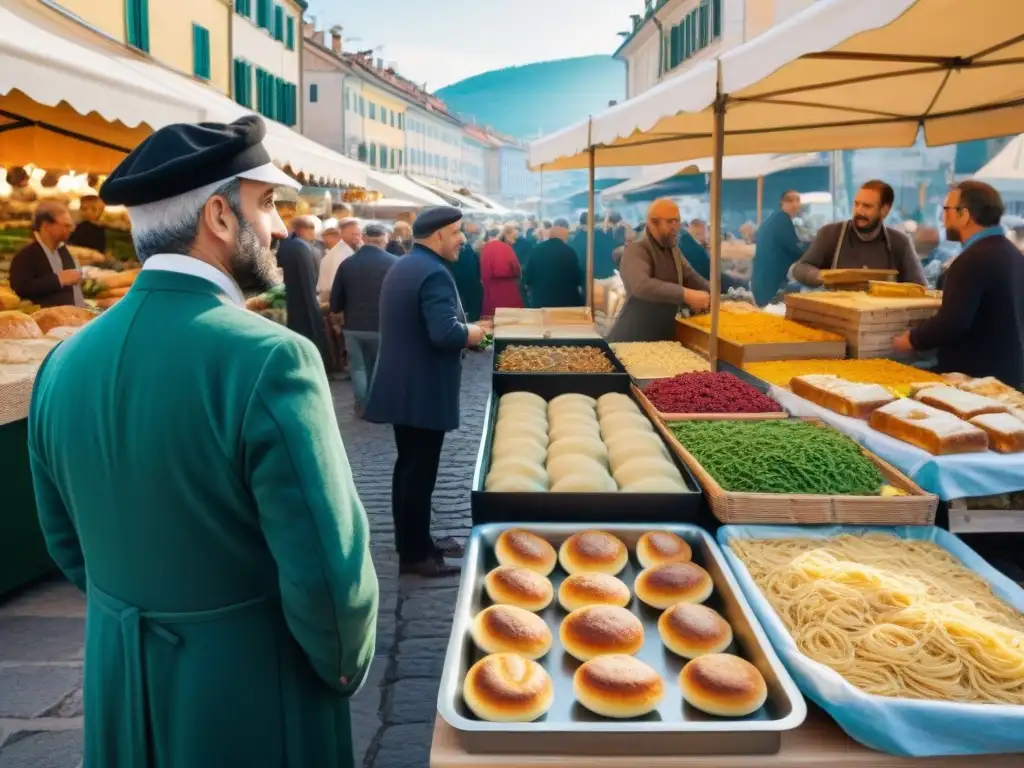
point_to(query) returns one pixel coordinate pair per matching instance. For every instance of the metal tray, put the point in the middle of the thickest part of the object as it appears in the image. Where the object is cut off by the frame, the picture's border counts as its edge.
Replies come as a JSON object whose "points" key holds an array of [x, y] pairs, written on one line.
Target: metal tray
{"points": [[501, 507], [568, 728], [501, 344]]}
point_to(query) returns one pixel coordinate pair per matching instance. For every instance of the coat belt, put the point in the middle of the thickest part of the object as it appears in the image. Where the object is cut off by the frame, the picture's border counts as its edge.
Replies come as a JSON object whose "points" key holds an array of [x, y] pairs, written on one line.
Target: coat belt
{"points": [[133, 621]]}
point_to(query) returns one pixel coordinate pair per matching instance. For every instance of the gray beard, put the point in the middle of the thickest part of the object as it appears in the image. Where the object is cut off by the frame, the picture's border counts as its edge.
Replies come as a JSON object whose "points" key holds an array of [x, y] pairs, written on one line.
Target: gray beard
{"points": [[252, 265]]}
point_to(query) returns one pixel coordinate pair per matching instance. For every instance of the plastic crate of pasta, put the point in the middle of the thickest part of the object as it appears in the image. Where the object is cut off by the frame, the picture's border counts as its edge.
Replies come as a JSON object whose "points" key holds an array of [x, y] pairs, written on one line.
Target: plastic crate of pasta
{"points": [[904, 635]]}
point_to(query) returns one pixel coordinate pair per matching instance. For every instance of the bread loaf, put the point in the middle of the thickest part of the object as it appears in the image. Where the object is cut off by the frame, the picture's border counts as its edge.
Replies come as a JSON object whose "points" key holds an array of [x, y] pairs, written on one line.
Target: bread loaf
{"points": [[937, 432], [965, 405], [63, 316], [847, 398], [1005, 431], [507, 688], [18, 325]]}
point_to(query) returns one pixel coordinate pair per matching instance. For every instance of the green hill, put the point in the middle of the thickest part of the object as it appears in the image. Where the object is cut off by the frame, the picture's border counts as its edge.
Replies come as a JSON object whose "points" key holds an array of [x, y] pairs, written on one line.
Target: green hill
{"points": [[539, 98]]}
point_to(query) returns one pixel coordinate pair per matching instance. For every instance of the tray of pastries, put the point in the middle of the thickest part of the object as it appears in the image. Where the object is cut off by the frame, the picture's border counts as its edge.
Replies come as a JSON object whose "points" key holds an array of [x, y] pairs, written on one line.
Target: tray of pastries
{"points": [[625, 640]]}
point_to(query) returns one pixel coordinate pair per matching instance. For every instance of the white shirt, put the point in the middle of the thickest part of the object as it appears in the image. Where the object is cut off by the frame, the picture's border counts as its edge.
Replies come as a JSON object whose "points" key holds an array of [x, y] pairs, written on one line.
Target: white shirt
{"points": [[329, 268], [57, 265], [186, 265]]}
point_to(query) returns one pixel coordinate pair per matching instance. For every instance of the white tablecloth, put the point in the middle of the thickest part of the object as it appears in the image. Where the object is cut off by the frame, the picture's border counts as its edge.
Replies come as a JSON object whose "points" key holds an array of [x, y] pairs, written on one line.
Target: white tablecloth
{"points": [[949, 477]]}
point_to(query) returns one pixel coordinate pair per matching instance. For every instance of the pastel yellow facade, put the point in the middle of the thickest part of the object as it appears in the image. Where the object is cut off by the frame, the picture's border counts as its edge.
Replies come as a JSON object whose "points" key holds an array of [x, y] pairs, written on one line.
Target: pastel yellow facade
{"points": [[108, 16], [383, 125]]}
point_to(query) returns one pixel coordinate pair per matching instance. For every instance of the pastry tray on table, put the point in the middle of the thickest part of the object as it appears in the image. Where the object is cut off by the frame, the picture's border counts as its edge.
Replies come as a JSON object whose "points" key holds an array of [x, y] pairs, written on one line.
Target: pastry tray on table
{"points": [[560, 379], [544, 506], [568, 728], [909, 727], [698, 339], [918, 508]]}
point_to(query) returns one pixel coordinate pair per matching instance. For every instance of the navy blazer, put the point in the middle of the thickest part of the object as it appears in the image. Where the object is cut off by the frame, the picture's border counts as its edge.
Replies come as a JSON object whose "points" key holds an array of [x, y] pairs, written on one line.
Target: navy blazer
{"points": [[422, 334]]}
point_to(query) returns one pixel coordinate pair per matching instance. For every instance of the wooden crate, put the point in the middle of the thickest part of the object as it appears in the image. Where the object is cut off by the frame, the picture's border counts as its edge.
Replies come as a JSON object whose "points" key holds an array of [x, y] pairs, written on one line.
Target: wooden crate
{"points": [[696, 338], [656, 415], [868, 323], [812, 509]]}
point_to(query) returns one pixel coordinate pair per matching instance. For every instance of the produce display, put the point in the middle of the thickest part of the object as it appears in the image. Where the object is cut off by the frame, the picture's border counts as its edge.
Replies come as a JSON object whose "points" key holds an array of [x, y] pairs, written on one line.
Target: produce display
{"points": [[791, 457], [762, 328], [270, 304], [894, 617], [107, 286], [708, 393], [540, 358], [657, 359], [894, 376], [511, 683], [576, 444], [18, 325]]}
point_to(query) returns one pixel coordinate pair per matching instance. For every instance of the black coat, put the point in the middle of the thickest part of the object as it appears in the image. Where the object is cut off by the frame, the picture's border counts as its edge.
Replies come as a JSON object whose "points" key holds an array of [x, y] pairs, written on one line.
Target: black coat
{"points": [[33, 278], [466, 272], [89, 235], [357, 284], [301, 270], [553, 277]]}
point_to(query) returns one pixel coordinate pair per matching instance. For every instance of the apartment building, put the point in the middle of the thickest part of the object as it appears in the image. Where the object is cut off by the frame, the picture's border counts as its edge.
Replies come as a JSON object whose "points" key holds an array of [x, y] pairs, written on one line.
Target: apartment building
{"points": [[433, 140], [266, 48]]}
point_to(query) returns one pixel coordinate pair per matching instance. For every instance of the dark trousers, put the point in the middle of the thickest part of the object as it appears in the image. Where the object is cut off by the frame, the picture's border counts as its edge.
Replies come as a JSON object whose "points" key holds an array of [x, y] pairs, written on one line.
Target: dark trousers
{"points": [[419, 454]]}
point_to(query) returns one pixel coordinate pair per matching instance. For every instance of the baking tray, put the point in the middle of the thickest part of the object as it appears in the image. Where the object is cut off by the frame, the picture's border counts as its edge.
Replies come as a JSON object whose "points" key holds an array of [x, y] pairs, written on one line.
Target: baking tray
{"points": [[502, 507], [568, 728], [518, 381]]}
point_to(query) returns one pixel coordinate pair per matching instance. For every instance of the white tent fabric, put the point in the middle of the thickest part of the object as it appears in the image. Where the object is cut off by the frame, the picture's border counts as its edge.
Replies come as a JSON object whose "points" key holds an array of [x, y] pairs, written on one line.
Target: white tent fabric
{"points": [[736, 167], [465, 203], [842, 74], [494, 207], [1006, 169], [51, 67], [398, 186]]}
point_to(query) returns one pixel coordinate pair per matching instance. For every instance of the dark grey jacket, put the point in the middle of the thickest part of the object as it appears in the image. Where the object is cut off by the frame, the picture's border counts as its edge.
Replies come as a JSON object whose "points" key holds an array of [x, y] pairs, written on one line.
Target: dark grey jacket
{"points": [[356, 290]]}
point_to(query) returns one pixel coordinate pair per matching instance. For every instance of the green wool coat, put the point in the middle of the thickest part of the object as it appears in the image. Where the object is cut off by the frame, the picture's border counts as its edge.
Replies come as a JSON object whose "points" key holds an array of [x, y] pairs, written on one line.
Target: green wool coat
{"points": [[191, 479]]}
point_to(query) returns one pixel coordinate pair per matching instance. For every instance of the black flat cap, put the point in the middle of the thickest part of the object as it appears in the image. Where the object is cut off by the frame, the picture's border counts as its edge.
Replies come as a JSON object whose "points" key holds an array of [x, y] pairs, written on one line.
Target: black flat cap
{"points": [[432, 219], [179, 158]]}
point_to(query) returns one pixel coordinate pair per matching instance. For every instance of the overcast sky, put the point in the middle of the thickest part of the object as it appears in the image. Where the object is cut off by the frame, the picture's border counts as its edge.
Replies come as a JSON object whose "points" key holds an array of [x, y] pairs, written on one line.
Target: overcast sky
{"points": [[442, 41]]}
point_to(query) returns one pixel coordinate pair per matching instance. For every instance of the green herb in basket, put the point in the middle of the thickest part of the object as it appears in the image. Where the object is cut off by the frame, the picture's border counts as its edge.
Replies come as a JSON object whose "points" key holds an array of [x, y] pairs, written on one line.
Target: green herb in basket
{"points": [[786, 457]]}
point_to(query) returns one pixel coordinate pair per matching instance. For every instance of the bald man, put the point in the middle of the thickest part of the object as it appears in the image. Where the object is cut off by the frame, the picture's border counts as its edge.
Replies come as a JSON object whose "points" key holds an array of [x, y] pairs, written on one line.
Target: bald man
{"points": [[658, 280]]}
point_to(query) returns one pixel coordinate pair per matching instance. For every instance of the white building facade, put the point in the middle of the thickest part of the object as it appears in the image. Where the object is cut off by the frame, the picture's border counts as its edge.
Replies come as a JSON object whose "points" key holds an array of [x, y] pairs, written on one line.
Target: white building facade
{"points": [[433, 146], [266, 46], [473, 165]]}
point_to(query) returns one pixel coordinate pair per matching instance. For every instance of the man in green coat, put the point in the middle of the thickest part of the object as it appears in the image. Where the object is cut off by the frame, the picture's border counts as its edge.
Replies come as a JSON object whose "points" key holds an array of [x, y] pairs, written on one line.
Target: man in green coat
{"points": [[191, 480]]}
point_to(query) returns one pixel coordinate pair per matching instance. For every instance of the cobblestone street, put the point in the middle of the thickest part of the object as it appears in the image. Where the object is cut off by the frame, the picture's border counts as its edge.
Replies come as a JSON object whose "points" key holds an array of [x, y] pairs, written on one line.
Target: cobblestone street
{"points": [[41, 629]]}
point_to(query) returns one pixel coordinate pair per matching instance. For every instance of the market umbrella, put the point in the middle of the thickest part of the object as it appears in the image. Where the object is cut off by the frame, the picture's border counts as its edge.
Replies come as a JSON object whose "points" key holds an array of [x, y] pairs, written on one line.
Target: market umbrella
{"points": [[843, 74]]}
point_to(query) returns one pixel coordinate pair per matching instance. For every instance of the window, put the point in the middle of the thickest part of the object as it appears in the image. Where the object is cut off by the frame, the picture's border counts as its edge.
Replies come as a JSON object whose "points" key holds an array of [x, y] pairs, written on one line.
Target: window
{"points": [[392, 119], [363, 152], [137, 23], [244, 8], [200, 51], [290, 36], [394, 157], [362, 106], [702, 25], [716, 19], [243, 83], [373, 155], [401, 120], [279, 23], [314, 93], [348, 100], [674, 57], [264, 14], [400, 158], [373, 111], [384, 115]]}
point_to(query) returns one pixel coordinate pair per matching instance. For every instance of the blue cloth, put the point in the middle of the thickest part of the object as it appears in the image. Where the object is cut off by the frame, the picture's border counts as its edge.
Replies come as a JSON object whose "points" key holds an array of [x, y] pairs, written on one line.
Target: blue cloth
{"points": [[695, 253], [996, 231], [778, 248], [906, 727], [949, 477], [422, 334]]}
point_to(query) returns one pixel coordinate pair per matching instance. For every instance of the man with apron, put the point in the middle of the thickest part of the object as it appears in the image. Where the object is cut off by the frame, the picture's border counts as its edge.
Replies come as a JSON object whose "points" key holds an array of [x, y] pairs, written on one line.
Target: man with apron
{"points": [[658, 280], [863, 242], [191, 480]]}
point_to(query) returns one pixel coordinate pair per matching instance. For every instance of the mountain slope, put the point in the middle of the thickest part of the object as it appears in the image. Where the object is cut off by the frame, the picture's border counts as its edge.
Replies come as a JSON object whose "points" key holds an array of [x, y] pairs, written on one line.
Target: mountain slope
{"points": [[539, 98]]}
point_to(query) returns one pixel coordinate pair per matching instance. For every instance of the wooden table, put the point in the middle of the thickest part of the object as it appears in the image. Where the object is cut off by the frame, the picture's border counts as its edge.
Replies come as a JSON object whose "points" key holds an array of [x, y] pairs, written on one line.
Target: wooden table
{"points": [[818, 743]]}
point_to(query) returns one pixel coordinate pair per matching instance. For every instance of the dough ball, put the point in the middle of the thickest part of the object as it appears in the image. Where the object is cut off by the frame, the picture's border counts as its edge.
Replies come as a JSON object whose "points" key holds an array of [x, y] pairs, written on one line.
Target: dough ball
{"points": [[574, 428], [615, 402], [524, 398], [519, 447], [502, 482], [515, 428], [620, 421], [644, 467], [656, 484], [589, 483], [583, 446], [515, 465], [573, 464], [573, 397]]}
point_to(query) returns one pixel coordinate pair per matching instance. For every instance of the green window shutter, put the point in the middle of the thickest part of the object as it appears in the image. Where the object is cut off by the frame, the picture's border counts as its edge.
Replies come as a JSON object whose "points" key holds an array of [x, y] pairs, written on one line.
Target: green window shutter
{"points": [[200, 52], [290, 37], [314, 93], [243, 7], [716, 19], [279, 23], [693, 31], [263, 13], [702, 24], [137, 23], [373, 154]]}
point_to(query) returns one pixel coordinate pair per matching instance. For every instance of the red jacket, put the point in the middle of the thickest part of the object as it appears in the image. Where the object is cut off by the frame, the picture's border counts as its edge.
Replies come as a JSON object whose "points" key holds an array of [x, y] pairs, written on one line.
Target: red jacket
{"points": [[500, 272]]}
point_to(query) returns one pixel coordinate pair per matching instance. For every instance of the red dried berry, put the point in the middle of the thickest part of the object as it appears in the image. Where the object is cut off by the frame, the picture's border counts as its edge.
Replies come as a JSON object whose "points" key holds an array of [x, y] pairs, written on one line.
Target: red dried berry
{"points": [[708, 393]]}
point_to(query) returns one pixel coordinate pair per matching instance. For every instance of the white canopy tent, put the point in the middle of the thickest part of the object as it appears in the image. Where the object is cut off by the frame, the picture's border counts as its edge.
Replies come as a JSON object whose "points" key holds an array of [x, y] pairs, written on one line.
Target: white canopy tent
{"points": [[451, 198], [1006, 170], [843, 74], [401, 187]]}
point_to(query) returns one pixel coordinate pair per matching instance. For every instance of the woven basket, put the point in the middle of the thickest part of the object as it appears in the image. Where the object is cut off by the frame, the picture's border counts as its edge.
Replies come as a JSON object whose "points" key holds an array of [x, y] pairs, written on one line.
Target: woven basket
{"points": [[806, 509], [15, 396], [657, 415]]}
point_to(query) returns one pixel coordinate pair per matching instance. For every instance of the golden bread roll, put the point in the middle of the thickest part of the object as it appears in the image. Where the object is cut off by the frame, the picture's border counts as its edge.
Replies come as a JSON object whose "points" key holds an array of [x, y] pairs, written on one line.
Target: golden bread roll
{"points": [[593, 551], [585, 483], [526, 429], [596, 630], [664, 585], [583, 589], [506, 688], [591, 447], [615, 402], [507, 629], [618, 686], [518, 586], [573, 464], [506, 482], [657, 484], [571, 408], [724, 685], [515, 465], [661, 547], [694, 630], [525, 550], [644, 467], [574, 428], [521, 447], [621, 421], [573, 397], [523, 398]]}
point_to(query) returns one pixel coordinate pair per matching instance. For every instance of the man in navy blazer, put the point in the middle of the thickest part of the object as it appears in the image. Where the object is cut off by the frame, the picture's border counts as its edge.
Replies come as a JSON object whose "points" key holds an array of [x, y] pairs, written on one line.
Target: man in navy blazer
{"points": [[423, 332]]}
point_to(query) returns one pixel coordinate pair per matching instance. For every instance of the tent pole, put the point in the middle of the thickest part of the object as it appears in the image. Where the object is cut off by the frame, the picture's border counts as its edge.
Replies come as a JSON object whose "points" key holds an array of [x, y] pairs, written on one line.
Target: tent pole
{"points": [[590, 235], [718, 139], [540, 204], [760, 199]]}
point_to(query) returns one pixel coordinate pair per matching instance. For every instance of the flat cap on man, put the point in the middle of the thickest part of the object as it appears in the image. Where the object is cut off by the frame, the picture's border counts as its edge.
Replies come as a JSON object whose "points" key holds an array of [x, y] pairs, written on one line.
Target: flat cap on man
{"points": [[182, 157], [432, 219]]}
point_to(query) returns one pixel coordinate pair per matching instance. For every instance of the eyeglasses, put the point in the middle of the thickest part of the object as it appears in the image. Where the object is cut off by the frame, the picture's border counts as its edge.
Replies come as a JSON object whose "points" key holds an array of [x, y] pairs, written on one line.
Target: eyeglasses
{"points": [[947, 208]]}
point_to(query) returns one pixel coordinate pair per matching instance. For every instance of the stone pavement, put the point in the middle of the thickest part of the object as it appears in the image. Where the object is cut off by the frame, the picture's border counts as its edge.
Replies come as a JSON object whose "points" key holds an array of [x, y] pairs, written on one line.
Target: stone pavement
{"points": [[41, 629]]}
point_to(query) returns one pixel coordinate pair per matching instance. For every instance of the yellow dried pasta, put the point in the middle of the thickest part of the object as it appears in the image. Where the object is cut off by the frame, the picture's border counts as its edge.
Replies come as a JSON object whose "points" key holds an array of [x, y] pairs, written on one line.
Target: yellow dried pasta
{"points": [[658, 359], [888, 373], [762, 328]]}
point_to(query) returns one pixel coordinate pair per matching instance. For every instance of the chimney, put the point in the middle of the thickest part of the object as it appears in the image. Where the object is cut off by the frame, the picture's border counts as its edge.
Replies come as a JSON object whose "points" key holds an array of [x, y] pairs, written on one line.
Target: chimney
{"points": [[380, 63], [318, 37], [336, 40], [307, 29]]}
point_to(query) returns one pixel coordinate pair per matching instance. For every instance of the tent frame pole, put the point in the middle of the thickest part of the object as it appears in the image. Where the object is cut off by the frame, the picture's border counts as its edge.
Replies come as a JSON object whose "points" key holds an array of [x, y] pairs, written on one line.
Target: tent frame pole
{"points": [[718, 139], [590, 225], [760, 199]]}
